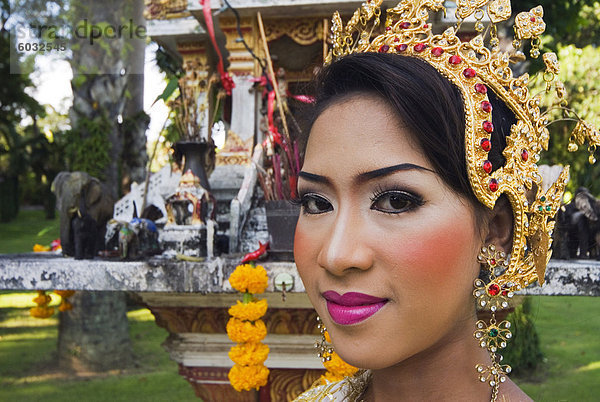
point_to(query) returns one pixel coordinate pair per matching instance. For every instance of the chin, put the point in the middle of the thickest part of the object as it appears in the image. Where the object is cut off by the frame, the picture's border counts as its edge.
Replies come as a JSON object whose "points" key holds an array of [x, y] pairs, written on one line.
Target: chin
{"points": [[370, 352]]}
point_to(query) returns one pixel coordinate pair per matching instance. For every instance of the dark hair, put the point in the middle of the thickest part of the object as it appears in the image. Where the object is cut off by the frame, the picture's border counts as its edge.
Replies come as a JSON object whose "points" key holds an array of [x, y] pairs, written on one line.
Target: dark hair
{"points": [[429, 105]]}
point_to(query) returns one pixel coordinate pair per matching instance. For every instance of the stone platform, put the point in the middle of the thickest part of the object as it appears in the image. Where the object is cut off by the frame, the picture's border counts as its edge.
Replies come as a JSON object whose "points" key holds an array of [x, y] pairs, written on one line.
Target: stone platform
{"points": [[47, 271]]}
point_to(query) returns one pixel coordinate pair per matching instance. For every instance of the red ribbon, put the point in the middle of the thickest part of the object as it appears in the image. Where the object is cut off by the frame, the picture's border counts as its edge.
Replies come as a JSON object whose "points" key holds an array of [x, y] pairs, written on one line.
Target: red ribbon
{"points": [[226, 79]]}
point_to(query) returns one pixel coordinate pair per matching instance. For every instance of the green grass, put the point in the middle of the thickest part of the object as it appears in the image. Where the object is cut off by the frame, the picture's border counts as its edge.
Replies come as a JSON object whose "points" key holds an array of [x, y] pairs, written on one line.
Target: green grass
{"points": [[28, 362], [569, 329], [30, 227]]}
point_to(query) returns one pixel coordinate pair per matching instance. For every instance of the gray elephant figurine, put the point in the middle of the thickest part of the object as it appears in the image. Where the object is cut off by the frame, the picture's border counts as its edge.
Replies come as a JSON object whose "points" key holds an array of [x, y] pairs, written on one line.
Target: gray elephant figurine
{"points": [[85, 198], [578, 227]]}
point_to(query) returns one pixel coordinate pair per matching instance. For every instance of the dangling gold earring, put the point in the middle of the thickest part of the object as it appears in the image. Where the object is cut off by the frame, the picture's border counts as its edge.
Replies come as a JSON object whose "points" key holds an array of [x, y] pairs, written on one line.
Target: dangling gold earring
{"points": [[493, 336], [325, 350]]}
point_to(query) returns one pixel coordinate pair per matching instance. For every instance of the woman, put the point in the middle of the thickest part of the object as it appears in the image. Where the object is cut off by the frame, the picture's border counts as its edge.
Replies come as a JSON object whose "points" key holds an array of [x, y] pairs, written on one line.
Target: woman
{"points": [[390, 230]]}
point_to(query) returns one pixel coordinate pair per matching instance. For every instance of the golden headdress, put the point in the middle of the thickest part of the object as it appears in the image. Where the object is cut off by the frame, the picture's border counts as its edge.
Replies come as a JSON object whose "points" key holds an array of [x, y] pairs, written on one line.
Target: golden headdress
{"points": [[476, 66]]}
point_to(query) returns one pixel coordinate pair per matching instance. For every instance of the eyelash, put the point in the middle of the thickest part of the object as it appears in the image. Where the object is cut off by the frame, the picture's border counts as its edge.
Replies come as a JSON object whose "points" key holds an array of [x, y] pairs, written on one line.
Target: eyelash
{"points": [[414, 199]]}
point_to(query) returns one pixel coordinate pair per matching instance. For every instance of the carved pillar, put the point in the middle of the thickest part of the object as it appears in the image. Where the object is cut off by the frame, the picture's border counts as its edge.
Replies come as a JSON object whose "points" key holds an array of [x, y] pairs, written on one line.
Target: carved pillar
{"points": [[197, 71], [199, 344], [243, 68]]}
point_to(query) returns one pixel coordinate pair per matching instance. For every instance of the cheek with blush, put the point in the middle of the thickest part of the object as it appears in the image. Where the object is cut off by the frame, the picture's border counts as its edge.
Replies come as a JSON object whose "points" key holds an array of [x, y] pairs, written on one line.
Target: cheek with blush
{"points": [[437, 252]]}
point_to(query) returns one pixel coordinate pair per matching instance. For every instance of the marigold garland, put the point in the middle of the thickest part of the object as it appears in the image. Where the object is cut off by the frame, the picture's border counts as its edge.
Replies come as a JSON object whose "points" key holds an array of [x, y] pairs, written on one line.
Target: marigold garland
{"points": [[249, 354], [65, 305], [251, 311], [249, 279], [337, 369], [248, 377], [247, 329], [42, 310]]}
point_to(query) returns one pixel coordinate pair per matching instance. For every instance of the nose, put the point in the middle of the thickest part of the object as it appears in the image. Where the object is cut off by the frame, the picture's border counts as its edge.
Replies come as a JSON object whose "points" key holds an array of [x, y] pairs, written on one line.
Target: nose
{"points": [[346, 248]]}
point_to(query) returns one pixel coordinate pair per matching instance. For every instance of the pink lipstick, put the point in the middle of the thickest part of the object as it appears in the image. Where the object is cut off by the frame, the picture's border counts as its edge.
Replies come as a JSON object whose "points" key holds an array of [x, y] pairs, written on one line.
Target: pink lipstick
{"points": [[352, 307]]}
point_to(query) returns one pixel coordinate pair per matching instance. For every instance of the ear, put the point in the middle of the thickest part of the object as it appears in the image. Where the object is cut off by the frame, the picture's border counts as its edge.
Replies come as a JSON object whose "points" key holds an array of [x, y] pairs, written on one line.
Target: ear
{"points": [[500, 225]]}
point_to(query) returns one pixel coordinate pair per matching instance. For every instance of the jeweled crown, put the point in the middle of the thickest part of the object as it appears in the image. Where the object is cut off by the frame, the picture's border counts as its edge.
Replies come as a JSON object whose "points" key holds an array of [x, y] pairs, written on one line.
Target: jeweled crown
{"points": [[476, 66]]}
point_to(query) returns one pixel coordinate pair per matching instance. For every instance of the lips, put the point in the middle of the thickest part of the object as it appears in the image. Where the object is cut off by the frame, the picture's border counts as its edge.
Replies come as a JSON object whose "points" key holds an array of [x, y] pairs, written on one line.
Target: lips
{"points": [[352, 307]]}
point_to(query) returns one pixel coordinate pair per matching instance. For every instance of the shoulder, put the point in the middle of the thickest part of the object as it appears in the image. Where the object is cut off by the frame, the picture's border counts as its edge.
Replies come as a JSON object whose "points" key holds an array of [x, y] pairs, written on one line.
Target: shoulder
{"points": [[332, 391]]}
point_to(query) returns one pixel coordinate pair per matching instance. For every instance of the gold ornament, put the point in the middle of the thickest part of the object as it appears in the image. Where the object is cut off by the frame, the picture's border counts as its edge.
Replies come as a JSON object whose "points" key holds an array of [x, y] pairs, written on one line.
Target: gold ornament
{"points": [[337, 369], [493, 336]]}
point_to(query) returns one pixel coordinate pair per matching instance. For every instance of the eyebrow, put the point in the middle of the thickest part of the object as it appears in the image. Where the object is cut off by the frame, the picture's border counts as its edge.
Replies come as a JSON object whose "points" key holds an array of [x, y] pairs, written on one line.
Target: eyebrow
{"points": [[366, 176]]}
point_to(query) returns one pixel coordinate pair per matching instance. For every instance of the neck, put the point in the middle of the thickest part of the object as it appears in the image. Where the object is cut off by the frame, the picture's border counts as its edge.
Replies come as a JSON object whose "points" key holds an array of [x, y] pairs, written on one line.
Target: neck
{"points": [[446, 371]]}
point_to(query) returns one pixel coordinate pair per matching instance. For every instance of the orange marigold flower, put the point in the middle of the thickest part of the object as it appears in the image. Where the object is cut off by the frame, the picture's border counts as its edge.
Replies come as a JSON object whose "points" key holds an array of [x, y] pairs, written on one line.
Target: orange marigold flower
{"points": [[245, 331], [249, 311], [39, 248], [338, 367], [41, 312], [246, 278], [249, 354], [65, 293], [258, 281], [246, 378], [65, 306]]}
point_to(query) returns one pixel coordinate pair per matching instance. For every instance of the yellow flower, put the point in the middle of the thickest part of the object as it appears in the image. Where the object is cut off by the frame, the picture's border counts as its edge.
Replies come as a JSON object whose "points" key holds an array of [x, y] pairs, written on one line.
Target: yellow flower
{"points": [[258, 281], [39, 248], [42, 298], [41, 312], [249, 354], [246, 278], [246, 331], [65, 306], [337, 369], [65, 293], [246, 378], [249, 311]]}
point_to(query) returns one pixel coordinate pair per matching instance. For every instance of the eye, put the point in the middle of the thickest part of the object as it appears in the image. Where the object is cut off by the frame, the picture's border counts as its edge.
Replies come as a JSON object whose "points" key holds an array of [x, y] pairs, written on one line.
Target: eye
{"points": [[314, 204], [395, 202]]}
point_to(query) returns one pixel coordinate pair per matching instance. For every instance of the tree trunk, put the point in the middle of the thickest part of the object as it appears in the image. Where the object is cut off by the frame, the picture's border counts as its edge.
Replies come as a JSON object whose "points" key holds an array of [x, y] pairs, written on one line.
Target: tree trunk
{"points": [[134, 157], [94, 335]]}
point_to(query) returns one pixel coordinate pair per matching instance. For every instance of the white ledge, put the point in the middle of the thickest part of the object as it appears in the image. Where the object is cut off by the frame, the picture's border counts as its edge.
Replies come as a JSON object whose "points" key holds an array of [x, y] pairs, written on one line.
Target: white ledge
{"points": [[47, 271]]}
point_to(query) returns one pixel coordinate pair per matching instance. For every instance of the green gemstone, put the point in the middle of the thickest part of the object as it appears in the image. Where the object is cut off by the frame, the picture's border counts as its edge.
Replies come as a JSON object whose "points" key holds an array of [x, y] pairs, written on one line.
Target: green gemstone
{"points": [[543, 199], [493, 332], [540, 208], [548, 208]]}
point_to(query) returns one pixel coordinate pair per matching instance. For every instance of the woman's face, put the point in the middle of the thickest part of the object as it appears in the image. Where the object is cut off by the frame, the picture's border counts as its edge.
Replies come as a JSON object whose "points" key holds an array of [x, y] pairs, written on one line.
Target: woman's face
{"points": [[387, 252]]}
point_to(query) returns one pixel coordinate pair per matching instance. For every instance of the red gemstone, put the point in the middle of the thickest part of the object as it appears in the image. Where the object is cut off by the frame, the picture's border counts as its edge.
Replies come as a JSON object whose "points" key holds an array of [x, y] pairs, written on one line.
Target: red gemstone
{"points": [[469, 73], [454, 59], [493, 185], [405, 25], [388, 28], [437, 51], [493, 289], [486, 145], [492, 262], [481, 88], [487, 166], [402, 47], [524, 155], [426, 26], [488, 126], [486, 106], [396, 39], [505, 293], [384, 49], [532, 19], [419, 47]]}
